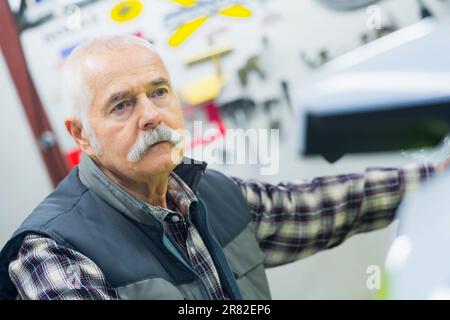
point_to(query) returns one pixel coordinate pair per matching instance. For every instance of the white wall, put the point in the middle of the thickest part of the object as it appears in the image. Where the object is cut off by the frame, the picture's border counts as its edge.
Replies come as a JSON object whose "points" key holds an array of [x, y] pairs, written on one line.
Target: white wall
{"points": [[24, 180]]}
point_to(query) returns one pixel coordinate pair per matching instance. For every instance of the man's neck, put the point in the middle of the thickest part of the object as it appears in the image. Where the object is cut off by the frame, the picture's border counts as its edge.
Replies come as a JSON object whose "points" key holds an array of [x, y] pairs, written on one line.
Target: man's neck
{"points": [[153, 190]]}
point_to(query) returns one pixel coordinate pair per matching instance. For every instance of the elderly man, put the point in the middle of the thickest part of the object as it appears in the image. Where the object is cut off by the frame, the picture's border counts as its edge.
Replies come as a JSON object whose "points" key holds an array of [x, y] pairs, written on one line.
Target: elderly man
{"points": [[133, 221]]}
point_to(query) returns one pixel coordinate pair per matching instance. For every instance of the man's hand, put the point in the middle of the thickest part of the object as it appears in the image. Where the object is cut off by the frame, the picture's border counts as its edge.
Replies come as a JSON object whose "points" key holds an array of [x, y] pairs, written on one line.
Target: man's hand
{"points": [[440, 155], [441, 167]]}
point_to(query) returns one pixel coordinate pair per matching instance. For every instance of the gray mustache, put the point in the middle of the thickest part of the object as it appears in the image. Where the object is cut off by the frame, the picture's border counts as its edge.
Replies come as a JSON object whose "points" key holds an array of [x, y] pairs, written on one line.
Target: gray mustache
{"points": [[151, 137]]}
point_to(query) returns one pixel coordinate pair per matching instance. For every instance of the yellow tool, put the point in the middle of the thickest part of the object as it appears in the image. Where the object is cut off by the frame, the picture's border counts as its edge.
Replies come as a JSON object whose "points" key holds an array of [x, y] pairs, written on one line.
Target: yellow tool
{"points": [[189, 27], [209, 87]]}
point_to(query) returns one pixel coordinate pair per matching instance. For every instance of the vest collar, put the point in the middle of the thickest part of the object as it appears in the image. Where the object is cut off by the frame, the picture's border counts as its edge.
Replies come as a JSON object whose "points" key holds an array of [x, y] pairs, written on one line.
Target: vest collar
{"points": [[190, 171]]}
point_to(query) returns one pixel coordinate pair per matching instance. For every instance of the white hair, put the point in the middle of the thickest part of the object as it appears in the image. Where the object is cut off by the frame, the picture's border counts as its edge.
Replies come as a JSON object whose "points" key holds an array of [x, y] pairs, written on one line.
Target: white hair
{"points": [[76, 94]]}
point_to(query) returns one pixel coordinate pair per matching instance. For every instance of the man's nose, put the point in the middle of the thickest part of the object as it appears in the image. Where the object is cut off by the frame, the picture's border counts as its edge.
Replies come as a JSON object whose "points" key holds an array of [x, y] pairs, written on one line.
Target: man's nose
{"points": [[150, 115]]}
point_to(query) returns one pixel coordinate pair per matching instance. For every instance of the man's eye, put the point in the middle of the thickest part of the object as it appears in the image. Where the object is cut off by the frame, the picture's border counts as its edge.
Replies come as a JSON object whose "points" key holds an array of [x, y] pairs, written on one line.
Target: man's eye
{"points": [[159, 93], [121, 107]]}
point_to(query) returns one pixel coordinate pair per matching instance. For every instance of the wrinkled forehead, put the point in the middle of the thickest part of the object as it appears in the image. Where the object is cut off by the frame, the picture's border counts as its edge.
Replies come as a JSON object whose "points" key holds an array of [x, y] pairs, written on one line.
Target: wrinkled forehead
{"points": [[121, 70]]}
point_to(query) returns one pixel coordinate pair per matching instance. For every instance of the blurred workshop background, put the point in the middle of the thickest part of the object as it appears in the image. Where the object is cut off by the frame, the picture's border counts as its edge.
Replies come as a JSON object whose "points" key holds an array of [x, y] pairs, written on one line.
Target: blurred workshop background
{"points": [[349, 84]]}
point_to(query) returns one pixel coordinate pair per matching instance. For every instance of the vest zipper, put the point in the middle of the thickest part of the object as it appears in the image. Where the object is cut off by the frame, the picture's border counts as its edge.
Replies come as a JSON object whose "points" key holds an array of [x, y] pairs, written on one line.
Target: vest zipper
{"points": [[168, 243], [196, 181], [228, 277]]}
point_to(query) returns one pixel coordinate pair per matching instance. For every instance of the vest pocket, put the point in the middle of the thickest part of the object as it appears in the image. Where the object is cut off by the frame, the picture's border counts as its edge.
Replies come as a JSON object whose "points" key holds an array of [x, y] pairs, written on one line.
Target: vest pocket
{"points": [[250, 276], [150, 289], [246, 261]]}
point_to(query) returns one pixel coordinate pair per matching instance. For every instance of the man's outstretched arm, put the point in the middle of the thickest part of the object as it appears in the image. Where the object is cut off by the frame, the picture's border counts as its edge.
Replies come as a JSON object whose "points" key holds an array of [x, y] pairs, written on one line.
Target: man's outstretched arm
{"points": [[296, 220]]}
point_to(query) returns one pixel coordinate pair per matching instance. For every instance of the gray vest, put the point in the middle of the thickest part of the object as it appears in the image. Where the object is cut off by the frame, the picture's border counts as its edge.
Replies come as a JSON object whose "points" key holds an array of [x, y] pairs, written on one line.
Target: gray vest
{"points": [[138, 259]]}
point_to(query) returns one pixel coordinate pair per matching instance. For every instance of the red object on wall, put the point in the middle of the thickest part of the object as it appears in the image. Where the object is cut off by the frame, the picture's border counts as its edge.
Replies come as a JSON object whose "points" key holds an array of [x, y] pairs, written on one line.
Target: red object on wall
{"points": [[213, 115], [213, 112], [73, 157]]}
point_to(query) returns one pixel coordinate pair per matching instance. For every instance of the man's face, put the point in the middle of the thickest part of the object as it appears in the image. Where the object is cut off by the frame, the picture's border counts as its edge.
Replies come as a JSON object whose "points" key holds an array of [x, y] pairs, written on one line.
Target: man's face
{"points": [[131, 94]]}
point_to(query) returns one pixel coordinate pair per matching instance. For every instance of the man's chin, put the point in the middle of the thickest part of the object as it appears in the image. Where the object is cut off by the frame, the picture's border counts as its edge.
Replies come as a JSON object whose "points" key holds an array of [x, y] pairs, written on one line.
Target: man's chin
{"points": [[159, 157]]}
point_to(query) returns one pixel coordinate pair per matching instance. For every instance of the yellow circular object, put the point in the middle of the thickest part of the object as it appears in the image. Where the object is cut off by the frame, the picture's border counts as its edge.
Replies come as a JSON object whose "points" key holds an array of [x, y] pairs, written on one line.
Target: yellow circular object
{"points": [[126, 11]]}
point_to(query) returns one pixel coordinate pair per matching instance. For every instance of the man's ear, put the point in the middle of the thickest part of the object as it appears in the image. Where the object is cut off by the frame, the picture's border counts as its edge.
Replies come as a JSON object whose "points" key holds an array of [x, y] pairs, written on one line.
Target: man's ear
{"points": [[75, 129]]}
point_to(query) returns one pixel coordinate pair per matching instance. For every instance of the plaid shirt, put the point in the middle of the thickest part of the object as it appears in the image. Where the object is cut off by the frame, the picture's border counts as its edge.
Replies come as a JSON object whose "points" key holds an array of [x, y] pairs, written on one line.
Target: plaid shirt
{"points": [[293, 221]]}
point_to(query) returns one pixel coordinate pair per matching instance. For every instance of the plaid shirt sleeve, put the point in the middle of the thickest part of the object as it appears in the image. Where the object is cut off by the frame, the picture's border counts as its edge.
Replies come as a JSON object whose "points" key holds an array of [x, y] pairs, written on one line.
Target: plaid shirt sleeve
{"points": [[296, 220], [45, 270]]}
